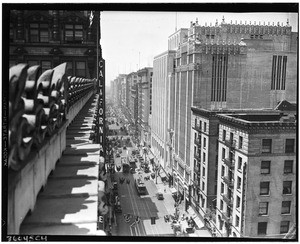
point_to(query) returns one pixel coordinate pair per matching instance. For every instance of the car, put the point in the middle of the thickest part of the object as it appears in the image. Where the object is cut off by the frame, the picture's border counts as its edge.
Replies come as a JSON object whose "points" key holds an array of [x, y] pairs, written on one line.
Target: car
{"points": [[160, 195], [124, 147], [117, 155]]}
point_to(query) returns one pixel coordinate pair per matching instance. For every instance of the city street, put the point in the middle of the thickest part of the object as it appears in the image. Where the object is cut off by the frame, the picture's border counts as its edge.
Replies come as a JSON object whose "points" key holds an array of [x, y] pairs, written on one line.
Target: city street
{"points": [[145, 207]]}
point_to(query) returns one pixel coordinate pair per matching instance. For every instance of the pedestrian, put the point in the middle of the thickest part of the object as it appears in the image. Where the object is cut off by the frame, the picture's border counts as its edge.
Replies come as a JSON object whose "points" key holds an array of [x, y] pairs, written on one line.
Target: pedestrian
{"points": [[165, 190], [128, 181]]}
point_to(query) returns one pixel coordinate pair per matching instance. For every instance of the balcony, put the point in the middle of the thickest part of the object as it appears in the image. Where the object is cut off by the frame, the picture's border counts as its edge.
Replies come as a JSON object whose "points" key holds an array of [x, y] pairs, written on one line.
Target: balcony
{"points": [[230, 162], [226, 218], [230, 143], [227, 199], [197, 128], [197, 156], [197, 142], [197, 170], [227, 181]]}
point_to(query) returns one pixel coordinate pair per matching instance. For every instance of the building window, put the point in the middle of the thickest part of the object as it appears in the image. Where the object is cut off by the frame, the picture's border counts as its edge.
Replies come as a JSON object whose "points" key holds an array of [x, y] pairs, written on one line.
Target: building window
{"points": [[45, 65], [231, 137], [239, 183], [221, 205], [262, 228], [263, 208], [223, 153], [224, 135], [287, 187], [238, 202], [290, 145], [11, 32], [278, 76], [32, 62], [266, 145], [203, 186], [204, 142], [240, 142], [203, 202], [222, 188], [265, 167], [237, 221], [80, 69], [284, 227], [223, 171], [195, 122], [39, 32], [204, 157], [288, 166], [239, 163], [200, 124], [264, 188], [73, 33], [286, 207], [204, 129], [203, 172], [219, 78]]}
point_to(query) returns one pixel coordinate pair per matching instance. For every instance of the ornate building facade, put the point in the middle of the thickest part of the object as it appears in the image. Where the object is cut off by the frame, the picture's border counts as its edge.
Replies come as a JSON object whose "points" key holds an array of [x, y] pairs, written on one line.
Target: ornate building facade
{"points": [[48, 38]]}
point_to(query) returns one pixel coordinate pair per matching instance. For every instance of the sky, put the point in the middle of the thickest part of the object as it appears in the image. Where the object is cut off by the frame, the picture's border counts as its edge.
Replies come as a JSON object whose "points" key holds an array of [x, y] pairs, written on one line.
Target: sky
{"points": [[130, 40]]}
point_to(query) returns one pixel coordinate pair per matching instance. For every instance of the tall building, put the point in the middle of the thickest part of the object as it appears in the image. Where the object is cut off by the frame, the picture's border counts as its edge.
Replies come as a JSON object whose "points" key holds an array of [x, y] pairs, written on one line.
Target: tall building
{"points": [[162, 109], [144, 87], [131, 81], [227, 66], [257, 182], [49, 38]]}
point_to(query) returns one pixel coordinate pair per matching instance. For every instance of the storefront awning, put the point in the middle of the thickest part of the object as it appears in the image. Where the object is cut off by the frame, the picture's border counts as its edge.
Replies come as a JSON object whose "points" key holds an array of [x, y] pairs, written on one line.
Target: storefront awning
{"points": [[163, 175]]}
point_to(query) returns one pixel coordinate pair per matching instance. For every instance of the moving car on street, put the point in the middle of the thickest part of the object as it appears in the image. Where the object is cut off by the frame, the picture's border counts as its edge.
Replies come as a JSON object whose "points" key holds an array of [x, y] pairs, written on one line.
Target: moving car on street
{"points": [[140, 186]]}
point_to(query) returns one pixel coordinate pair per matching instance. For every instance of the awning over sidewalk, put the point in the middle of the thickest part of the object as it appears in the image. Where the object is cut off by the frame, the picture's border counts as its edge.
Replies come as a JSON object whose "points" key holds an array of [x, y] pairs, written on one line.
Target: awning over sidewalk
{"points": [[163, 175], [173, 190]]}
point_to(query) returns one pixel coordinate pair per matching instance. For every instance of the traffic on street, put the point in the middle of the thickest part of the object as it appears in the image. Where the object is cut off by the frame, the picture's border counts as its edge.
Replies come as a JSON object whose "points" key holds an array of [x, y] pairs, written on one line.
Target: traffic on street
{"points": [[143, 203]]}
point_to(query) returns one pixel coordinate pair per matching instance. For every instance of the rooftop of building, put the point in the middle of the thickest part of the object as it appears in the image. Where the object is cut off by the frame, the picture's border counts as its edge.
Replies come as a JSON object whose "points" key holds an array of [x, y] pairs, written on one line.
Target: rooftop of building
{"points": [[257, 122], [235, 23], [179, 30], [164, 53]]}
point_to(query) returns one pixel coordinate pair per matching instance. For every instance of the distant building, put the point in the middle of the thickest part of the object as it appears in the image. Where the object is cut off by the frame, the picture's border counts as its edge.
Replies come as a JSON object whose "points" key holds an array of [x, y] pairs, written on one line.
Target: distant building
{"points": [[163, 109], [144, 95], [131, 81], [49, 38], [176, 38]]}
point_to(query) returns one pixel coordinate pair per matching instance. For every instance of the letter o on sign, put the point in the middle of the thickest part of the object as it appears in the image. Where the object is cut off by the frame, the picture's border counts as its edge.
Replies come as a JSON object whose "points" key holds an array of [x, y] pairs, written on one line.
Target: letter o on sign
{"points": [[100, 111]]}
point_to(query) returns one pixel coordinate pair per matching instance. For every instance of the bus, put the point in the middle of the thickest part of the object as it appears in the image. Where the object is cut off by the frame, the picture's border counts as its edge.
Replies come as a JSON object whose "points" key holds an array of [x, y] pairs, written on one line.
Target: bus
{"points": [[140, 187]]}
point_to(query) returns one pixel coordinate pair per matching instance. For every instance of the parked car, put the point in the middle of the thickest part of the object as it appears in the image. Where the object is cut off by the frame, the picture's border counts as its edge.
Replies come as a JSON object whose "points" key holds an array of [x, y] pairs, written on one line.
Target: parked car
{"points": [[117, 155]]}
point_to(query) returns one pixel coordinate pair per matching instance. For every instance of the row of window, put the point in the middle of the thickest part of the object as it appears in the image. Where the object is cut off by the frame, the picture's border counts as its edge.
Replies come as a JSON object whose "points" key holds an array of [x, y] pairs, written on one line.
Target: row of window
{"points": [[219, 78], [265, 188], [80, 66], [200, 125], [267, 145], [240, 142], [262, 227], [266, 167], [264, 208], [39, 32], [278, 76]]}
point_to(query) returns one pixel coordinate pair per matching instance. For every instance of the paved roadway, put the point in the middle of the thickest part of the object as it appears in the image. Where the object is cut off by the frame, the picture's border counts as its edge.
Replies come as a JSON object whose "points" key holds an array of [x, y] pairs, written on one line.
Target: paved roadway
{"points": [[145, 207]]}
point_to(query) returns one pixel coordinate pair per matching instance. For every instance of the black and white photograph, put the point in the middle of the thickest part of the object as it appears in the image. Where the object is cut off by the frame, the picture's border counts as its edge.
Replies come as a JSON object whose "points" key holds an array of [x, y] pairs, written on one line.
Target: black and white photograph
{"points": [[150, 121]]}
